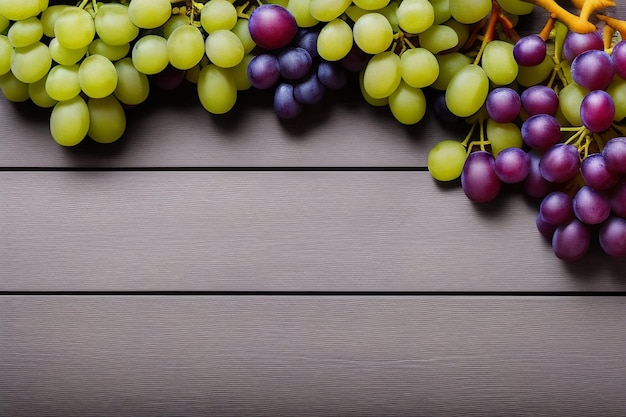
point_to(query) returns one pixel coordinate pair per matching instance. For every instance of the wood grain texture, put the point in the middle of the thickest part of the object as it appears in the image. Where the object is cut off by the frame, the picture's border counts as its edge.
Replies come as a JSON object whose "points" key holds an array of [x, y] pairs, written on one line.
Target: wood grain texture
{"points": [[312, 356], [285, 230]]}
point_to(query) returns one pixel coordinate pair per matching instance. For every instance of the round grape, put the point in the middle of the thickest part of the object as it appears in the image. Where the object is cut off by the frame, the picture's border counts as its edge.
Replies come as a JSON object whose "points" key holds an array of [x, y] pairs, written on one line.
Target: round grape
{"points": [[530, 50], [272, 26], [503, 104], [591, 206], [479, 179], [560, 163], [614, 154], [612, 236], [571, 241]]}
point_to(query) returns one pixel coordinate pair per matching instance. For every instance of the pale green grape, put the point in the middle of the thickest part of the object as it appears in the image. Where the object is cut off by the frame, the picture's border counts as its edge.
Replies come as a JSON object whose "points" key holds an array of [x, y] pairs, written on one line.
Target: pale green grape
{"points": [[334, 40], [502, 136], [372, 33], [149, 14], [174, 22], [383, 74], [415, 16], [31, 63], [13, 89], [216, 89], [49, 17], [570, 99], [516, 7], [39, 95], [243, 33], [62, 82], [97, 76], [529, 76], [133, 87], [449, 64], [150, 54], [74, 28], [407, 104], [371, 4], [19, 9], [240, 73], [301, 10], [25, 32], [6, 50], [419, 67], [327, 10], [377, 102], [446, 160], [470, 11], [63, 55], [390, 12], [617, 91], [355, 12], [192, 74], [462, 31], [112, 52], [185, 47], [69, 134], [218, 15], [438, 38], [113, 25], [499, 63], [4, 24], [107, 120], [224, 48], [467, 90], [442, 11]]}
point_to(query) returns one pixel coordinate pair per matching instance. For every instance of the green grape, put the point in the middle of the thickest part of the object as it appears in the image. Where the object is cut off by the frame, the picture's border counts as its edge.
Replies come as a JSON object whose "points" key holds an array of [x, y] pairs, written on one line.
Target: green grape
{"points": [[446, 160], [63, 55], [13, 89], [107, 120], [49, 17], [112, 52], [69, 134], [355, 12], [113, 25], [407, 104], [570, 99], [502, 136], [529, 76], [371, 4], [149, 14], [38, 94], [449, 64], [19, 9], [224, 48], [390, 12], [62, 82], [334, 40], [192, 74], [150, 54], [97, 76], [470, 11], [243, 33], [133, 87], [467, 90], [218, 15], [174, 22], [438, 38], [377, 102], [216, 89], [617, 91], [185, 47], [383, 74], [25, 32], [74, 28], [462, 31], [240, 73], [4, 24], [6, 50], [30, 63], [327, 10], [516, 7], [419, 67], [372, 33], [442, 11], [301, 11], [498, 62], [415, 16]]}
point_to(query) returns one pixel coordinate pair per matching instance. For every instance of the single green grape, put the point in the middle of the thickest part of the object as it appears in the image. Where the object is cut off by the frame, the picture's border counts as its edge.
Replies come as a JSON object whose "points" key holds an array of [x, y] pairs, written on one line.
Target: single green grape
{"points": [[65, 56], [301, 10], [217, 89], [415, 16], [502, 136], [31, 63], [74, 28], [133, 86], [62, 82], [113, 25], [185, 47], [327, 10], [13, 89], [25, 32], [97, 76], [446, 160], [224, 48], [372, 33], [467, 90], [438, 38], [420, 67], [149, 14], [499, 63], [69, 134], [335, 40], [407, 104], [149, 54], [107, 120], [218, 15], [383, 74]]}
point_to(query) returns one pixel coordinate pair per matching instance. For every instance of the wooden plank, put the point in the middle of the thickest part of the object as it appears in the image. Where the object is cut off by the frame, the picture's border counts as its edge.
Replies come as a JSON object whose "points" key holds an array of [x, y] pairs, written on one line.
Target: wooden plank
{"points": [[312, 356], [275, 231]]}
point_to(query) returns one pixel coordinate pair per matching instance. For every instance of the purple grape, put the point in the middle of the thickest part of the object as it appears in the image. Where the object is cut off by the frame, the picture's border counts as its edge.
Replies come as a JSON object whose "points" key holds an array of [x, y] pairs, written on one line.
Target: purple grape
{"points": [[478, 178], [577, 43], [285, 104], [530, 50], [294, 63], [619, 58], [332, 75], [272, 26], [355, 60], [560, 163], [546, 229], [503, 104], [618, 200], [614, 154], [612, 236], [169, 79], [512, 165], [540, 99], [593, 70], [597, 111], [263, 71], [541, 131], [591, 206], [596, 175], [571, 241], [556, 208], [307, 39], [535, 185], [309, 91]]}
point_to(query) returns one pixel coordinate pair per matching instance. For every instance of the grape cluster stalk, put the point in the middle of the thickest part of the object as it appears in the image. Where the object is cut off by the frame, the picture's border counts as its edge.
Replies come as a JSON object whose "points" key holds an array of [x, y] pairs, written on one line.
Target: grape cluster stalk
{"points": [[545, 111]]}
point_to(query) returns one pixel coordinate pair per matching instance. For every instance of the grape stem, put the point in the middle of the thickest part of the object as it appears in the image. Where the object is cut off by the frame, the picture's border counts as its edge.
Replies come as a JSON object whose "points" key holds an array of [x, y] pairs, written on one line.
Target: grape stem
{"points": [[615, 24], [489, 31], [579, 24]]}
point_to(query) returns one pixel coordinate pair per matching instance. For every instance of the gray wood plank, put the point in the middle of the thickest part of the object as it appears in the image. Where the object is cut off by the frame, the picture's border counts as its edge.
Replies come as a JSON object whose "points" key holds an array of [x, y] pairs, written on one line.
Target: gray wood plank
{"points": [[312, 356], [275, 230]]}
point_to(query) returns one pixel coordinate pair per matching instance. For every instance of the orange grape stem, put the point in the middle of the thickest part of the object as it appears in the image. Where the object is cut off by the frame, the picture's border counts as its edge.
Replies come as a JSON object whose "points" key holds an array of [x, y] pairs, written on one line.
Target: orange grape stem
{"points": [[618, 25], [573, 22]]}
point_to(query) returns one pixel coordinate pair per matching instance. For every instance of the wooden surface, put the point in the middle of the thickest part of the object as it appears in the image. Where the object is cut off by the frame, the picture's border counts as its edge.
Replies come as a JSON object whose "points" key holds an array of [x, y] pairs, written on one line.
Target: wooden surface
{"points": [[241, 266]]}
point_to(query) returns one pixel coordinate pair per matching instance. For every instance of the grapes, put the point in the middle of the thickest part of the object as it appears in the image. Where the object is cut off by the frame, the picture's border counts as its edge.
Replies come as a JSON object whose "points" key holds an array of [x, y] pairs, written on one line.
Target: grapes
{"points": [[593, 70], [216, 89], [556, 208], [74, 28], [407, 104], [149, 14], [419, 67], [224, 48], [372, 33], [335, 40], [446, 160], [467, 91], [218, 15], [577, 43], [382, 75], [107, 120], [285, 104], [595, 173], [614, 154], [264, 71], [185, 47], [272, 26], [69, 134], [591, 206], [540, 99], [560, 163], [97, 76], [415, 16], [499, 63], [613, 236], [512, 165], [309, 91], [619, 58], [19, 9], [469, 11], [571, 241], [597, 111], [113, 25], [541, 131], [530, 50], [294, 63], [503, 104], [479, 179]]}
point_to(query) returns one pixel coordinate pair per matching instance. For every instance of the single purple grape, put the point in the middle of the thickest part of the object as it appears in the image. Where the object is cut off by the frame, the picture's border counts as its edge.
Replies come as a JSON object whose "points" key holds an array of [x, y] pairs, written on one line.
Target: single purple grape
{"points": [[309, 91], [618, 199], [356, 60], [546, 229], [285, 104], [535, 185], [530, 50], [597, 111], [596, 175], [560, 163], [503, 104], [614, 154], [332, 75], [591, 206], [169, 79], [619, 58], [478, 178], [294, 63], [307, 39], [556, 208], [571, 241], [540, 99], [263, 71], [612, 236], [577, 43], [272, 26], [512, 165], [593, 70], [541, 131]]}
